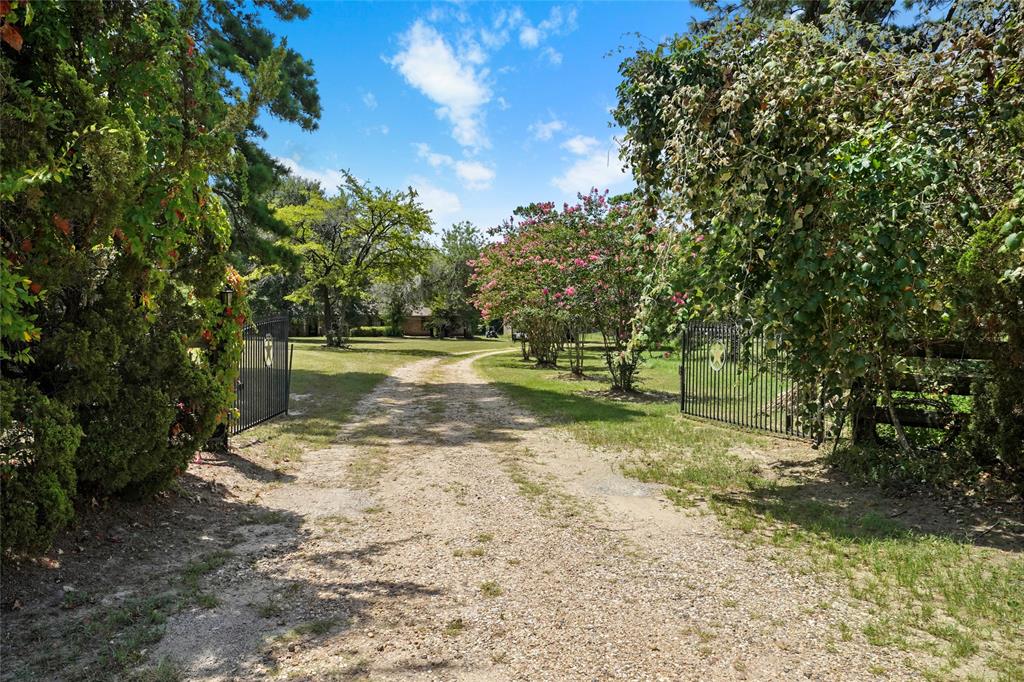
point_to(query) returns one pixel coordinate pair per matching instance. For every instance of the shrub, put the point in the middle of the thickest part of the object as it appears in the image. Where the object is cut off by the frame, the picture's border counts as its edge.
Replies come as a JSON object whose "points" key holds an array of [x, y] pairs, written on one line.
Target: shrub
{"points": [[38, 438], [372, 331], [996, 430]]}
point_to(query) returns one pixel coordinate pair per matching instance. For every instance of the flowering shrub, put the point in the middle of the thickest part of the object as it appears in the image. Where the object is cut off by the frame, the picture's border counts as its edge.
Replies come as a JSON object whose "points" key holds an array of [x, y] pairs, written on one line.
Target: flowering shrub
{"points": [[558, 275]]}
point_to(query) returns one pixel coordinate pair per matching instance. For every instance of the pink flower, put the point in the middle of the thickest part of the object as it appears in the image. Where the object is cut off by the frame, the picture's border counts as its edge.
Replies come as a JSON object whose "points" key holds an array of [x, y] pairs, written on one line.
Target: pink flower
{"points": [[544, 291], [570, 291]]}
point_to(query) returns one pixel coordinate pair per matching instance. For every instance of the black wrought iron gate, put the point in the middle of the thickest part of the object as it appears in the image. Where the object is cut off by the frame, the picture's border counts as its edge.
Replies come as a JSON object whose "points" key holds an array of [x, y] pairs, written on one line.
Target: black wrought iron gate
{"points": [[264, 376], [729, 375]]}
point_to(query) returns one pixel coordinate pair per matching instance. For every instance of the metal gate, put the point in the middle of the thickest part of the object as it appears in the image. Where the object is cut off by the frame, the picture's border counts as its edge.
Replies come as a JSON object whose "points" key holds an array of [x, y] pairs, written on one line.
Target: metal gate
{"points": [[264, 376], [729, 375]]}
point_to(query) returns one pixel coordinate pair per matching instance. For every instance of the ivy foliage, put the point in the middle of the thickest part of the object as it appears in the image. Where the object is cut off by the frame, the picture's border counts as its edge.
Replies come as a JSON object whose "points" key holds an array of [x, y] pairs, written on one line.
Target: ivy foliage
{"points": [[842, 182]]}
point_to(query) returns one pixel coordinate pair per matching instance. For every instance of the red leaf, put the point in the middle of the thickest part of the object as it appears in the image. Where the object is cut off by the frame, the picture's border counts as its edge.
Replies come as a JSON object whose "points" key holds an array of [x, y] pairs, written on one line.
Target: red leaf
{"points": [[11, 36], [26, 245], [181, 216], [63, 224], [118, 234], [35, 288], [5, 7]]}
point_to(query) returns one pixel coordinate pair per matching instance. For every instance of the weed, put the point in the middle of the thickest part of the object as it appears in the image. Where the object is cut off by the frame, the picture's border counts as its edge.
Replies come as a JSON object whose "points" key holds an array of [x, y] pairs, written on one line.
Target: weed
{"points": [[271, 608], [454, 627], [315, 627], [265, 518], [489, 588], [74, 598]]}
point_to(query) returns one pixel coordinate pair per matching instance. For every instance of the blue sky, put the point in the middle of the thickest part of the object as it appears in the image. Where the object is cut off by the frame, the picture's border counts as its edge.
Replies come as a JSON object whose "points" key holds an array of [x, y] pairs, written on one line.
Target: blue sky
{"points": [[480, 106]]}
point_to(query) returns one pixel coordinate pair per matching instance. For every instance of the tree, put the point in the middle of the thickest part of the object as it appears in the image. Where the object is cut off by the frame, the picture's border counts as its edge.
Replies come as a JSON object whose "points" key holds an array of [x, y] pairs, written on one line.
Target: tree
{"points": [[119, 356], [449, 282], [830, 172], [364, 235], [557, 276], [232, 36]]}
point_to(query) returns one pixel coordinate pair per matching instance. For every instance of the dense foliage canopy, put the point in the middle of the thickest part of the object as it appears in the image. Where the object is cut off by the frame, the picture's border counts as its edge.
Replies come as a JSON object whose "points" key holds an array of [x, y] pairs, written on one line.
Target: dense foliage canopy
{"points": [[847, 184], [129, 170]]}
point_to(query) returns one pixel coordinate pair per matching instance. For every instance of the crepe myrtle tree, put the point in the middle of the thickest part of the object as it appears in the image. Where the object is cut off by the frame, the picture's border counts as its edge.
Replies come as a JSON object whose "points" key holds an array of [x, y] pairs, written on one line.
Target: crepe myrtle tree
{"points": [[559, 275], [518, 281]]}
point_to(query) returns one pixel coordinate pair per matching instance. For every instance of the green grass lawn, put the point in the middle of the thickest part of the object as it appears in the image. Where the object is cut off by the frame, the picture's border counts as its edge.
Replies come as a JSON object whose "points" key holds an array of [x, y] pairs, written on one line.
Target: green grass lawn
{"points": [[652, 425], [326, 384], [932, 592]]}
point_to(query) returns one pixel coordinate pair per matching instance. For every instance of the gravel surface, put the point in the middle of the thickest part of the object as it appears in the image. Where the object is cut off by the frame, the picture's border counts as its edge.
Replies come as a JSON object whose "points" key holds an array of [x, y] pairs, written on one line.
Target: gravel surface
{"points": [[448, 535]]}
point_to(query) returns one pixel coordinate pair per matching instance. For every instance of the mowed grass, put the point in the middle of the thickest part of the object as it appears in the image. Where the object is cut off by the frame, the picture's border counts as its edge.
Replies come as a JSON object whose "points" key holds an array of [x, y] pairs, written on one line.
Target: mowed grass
{"points": [[327, 383], [687, 452], [960, 603]]}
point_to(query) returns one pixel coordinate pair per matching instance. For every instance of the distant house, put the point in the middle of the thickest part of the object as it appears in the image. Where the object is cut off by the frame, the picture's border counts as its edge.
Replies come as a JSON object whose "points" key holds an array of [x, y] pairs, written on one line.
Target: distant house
{"points": [[415, 323]]}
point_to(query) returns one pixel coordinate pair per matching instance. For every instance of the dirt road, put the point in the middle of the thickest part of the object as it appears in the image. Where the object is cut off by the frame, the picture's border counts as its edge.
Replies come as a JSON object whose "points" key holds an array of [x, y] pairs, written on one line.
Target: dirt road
{"points": [[448, 535]]}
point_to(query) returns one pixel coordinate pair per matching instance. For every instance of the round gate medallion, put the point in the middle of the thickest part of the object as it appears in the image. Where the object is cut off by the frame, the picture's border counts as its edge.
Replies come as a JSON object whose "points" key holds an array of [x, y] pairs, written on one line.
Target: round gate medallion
{"points": [[268, 350], [717, 355]]}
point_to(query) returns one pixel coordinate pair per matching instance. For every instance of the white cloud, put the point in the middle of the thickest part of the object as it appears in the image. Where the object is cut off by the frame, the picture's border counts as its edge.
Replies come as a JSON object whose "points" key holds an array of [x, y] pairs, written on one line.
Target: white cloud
{"points": [[529, 36], [428, 63], [557, 23], [440, 202], [503, 104], [581, 144], [328, 179], [544, 131], [600, 168], [433, 158], [475, 174], [370, 100], [552, 55]]}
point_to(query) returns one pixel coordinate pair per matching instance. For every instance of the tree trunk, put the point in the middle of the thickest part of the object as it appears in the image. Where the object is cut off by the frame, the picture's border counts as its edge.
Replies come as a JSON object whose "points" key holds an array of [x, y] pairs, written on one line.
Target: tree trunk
{"points": [[325, 299], [341, 333]]}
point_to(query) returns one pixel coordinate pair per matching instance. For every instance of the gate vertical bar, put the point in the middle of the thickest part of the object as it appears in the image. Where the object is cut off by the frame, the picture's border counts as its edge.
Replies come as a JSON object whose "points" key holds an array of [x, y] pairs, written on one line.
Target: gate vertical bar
{"points": [[682, 370]]}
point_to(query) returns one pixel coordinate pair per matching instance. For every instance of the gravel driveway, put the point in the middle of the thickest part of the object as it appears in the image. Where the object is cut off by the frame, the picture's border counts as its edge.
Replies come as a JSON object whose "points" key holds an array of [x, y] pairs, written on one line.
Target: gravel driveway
{"points": [[448, 535]]}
